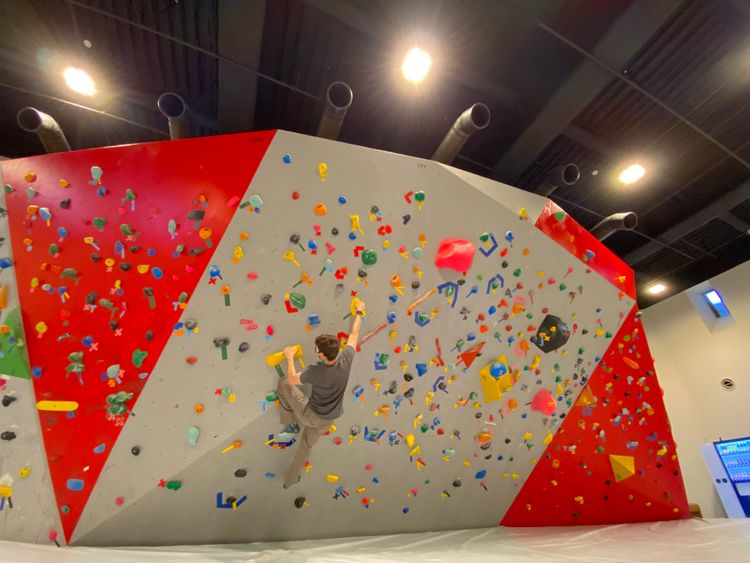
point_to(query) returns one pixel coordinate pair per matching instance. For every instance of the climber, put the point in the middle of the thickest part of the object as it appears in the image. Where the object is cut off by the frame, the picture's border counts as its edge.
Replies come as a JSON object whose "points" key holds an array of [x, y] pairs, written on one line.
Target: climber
{"points": [[328, 379]]}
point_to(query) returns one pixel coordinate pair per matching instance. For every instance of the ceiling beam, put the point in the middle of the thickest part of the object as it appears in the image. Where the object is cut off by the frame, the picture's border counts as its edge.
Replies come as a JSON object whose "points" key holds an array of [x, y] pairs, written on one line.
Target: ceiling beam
{"points": [[620, 43], [716, 209], [240, 38], [594, 143], [379, 30]]}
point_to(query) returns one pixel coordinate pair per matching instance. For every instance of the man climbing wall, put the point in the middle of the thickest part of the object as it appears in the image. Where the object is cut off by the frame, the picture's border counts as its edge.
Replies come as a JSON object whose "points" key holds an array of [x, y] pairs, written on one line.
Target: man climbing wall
{"points": [[328, 380]]}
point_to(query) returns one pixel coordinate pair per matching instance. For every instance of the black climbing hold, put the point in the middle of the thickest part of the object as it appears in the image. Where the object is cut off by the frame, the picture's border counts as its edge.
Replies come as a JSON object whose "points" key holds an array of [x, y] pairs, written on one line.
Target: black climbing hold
{"points": [[585, 331], [374, 209], [339, 287], [294, 239], [507, 440], [461, 281], [8, 435], [125, 266], [149, 335], [504, 264], [244, 347], [91, 298], [299, 502], [478, 415], [334, 231], [135, 450], [95, 257], [406, 219], [408, 377], [485, 446], [231, 500], [134, 248], [196, 251], [361, 273], [415, 285], [65, 204], [8, 400], [457, 483], [409, 393], [265, 298], [113, 325], [240, 473], [190, 324]]}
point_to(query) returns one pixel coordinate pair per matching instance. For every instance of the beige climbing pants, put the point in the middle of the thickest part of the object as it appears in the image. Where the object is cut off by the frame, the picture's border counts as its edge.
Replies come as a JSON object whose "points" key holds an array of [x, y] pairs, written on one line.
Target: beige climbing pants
{"points": [[295, 407]]}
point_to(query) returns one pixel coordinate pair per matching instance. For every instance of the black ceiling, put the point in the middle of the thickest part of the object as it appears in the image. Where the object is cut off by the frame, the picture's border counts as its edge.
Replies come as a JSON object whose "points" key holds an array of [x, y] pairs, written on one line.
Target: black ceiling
{"points": [[599, 84]]}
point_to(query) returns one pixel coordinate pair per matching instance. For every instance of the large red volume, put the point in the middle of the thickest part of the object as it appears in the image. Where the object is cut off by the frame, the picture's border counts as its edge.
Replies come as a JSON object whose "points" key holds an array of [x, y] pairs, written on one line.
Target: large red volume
{"points": [[613, 460], [102, 278]]}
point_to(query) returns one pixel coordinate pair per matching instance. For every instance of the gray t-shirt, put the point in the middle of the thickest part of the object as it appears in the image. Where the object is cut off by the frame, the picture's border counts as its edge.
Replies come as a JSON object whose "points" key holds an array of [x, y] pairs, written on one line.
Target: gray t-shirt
{"points": [[329, 384]]}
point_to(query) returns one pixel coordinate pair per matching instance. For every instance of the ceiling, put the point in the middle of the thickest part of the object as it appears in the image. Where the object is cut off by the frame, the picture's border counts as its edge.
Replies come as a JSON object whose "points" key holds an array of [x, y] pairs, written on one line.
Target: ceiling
{"points": [[598, 84]]}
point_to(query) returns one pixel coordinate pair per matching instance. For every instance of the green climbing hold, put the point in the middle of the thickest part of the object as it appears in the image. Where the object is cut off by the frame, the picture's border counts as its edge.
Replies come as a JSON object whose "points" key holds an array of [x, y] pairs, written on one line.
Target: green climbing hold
{"points": [[484, 237], [560, 215], [424, 428], [419, 196], [100, 223], [472, 396], [174, 485], [563, 287], [297, 300], [126, 230], [8, 189], [53, 250], [369, 257], [517, 272], [272, 397], [607, 334], [138, 357]]}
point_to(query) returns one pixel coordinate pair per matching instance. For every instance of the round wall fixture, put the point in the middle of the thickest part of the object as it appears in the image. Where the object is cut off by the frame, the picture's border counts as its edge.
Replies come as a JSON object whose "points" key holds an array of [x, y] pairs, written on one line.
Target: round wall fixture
{"points": [[727, 384]]}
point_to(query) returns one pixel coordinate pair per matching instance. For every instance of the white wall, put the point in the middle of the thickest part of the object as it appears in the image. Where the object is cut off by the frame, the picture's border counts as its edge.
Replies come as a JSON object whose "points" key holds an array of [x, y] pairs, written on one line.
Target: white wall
{"points": [[693, 353]]}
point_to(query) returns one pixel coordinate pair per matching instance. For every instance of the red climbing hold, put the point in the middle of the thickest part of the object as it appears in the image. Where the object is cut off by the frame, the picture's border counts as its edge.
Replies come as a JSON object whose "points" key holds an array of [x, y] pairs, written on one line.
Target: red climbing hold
{"points": [[544, 402], [456, 254]]}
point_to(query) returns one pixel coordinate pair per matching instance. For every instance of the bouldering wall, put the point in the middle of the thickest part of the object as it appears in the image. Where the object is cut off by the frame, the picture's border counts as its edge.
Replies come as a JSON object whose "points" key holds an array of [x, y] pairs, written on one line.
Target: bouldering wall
{"points": [[181, 266]]}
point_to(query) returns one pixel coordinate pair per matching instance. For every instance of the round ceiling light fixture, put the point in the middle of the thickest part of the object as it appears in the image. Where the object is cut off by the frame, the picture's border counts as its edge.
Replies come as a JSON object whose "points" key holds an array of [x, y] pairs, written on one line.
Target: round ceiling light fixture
{"points": [[657, 288], [79, 81], [632, 174], [416, 65]]}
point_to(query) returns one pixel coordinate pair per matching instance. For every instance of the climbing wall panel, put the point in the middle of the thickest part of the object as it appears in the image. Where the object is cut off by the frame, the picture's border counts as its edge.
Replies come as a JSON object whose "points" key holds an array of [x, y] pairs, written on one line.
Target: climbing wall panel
{"points": [[614, 459], [108, 246]]}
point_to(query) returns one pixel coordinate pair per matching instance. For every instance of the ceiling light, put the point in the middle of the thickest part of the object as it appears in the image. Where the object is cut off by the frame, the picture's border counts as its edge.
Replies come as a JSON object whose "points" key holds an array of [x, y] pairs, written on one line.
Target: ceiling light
{"points": [[79, 81], [416, 65], [657, 288], [632, 174]]}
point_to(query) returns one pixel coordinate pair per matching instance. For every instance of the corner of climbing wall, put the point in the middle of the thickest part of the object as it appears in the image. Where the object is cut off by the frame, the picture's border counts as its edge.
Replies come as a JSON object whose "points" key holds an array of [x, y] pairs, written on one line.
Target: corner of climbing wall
{"points": [[161, 282]]}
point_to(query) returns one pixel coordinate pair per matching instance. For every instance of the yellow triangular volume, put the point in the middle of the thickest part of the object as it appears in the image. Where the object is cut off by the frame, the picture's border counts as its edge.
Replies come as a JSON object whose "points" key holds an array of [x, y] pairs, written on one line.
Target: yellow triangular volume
{"points": [[623, 466]]}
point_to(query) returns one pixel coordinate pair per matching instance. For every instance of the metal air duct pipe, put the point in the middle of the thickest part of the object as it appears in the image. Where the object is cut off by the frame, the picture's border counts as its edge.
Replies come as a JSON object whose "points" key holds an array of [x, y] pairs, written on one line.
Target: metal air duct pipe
{"points": [[565, 175], [176, 111], [616, 222], [475, 118], [46, 128], [339, 97]]}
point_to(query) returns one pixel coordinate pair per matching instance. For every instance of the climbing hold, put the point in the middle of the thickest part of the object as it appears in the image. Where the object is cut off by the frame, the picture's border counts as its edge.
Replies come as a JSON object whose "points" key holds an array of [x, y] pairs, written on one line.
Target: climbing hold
{"points": [[456, 254], [287, 158], [544, 402], [240, 473], [299, 502], [321, 210], [369, 257]]}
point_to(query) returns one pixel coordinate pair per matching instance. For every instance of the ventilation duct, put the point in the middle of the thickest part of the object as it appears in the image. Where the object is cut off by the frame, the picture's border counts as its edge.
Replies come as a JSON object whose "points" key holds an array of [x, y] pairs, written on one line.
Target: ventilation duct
{"points": [[617, 222], [339, 97], [176, 111], [475, 118], [45, 127], [565, 175]]}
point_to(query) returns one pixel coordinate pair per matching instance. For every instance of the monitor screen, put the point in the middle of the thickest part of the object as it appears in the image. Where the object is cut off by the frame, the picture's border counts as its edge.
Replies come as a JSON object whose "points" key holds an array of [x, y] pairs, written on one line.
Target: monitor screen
{"points": [[735, 455]]}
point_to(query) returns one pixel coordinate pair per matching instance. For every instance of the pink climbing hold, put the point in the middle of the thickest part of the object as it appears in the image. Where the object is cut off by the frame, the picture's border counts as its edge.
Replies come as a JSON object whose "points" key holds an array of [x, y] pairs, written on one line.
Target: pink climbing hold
{"points": [[544, 402], [456, 254]]}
